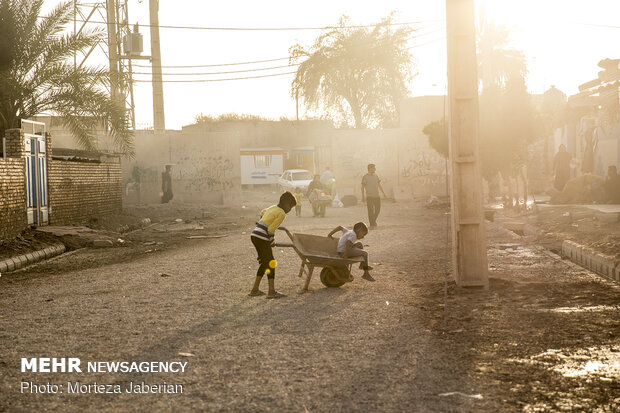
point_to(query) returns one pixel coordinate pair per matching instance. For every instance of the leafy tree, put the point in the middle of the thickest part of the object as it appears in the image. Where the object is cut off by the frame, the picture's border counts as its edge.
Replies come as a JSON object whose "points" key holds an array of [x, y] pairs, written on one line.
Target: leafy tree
{"points": [[437, 133], [508, 122], [497, 63], [39, 78], [357, 74], [229, 117], [507, 126]]}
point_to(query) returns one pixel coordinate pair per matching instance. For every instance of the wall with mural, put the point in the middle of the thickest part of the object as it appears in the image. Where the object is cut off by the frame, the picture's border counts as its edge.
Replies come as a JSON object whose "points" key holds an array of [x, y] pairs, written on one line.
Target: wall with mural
{"points": [[207, 163], [204, 166], [403, 158]]}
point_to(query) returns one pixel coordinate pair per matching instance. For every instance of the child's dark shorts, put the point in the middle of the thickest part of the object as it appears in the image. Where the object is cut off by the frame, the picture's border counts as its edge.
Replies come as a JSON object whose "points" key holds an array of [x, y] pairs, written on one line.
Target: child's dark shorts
{"points": [[265, 258]]}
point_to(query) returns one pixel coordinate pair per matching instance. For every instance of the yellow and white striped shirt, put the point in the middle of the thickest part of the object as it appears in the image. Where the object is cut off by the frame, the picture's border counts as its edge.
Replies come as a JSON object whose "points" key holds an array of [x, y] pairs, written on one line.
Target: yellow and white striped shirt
{"points": [[270, 220]]}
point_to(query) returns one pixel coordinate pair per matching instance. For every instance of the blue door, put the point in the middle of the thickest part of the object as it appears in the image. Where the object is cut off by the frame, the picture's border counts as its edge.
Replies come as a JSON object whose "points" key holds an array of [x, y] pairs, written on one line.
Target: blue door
{"points": [[36, 173]]}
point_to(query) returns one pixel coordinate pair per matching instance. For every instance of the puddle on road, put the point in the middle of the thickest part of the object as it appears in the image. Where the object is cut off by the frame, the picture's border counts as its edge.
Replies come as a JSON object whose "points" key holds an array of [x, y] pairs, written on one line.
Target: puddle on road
{"points": [[517, 252], [580, 309], [600, 362]]}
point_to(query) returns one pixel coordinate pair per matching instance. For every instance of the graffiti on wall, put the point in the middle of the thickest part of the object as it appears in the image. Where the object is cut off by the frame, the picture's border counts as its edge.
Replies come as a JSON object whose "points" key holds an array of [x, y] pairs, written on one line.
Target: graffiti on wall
{"points": [[424, 164], [207, 173]]}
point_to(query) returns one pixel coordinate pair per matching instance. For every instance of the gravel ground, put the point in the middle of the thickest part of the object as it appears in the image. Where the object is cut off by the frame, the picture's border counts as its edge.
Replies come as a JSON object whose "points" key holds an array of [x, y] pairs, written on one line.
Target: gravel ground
{"points": [[556, 223], [544, 337]]}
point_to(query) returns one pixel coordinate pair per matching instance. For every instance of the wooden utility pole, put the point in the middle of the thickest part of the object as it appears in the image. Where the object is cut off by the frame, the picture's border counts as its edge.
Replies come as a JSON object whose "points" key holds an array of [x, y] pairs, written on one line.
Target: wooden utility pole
{"points": [[469, 256], [159, 120]]}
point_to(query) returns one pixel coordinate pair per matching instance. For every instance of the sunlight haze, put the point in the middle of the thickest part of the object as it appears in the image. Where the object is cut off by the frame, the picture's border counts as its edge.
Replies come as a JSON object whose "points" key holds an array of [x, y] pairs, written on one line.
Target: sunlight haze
{"points": [[549, 32]]}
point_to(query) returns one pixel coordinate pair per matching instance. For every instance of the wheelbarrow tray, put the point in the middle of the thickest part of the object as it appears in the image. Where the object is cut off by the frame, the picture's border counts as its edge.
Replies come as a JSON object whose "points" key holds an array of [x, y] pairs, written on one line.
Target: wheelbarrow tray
{"points": [[321, 251], [318, 251]]}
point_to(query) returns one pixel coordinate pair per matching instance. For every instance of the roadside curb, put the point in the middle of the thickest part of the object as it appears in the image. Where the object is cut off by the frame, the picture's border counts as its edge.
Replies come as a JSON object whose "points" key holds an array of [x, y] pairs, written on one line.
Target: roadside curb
{"points": [[579, 255], [601, 264], [20, 261]]}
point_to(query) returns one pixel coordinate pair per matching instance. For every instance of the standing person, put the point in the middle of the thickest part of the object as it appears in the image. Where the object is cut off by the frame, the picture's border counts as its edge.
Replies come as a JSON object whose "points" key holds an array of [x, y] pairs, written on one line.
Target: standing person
{"points": [[587, 165], [371, 184], [312, 195], [298, 195], [561, 168], [166, 185], [328, 179], [263, 238], [612, 185]]}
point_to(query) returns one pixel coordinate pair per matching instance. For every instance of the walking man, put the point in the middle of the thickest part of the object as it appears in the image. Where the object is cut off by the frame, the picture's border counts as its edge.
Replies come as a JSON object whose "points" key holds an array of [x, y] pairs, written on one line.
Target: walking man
{"points": [[371, 184], [166, 185]]}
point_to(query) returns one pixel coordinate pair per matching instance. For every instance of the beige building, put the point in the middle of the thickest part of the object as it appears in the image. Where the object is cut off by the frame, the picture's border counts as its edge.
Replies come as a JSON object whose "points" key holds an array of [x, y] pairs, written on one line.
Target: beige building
{"points": [[206, 157]]}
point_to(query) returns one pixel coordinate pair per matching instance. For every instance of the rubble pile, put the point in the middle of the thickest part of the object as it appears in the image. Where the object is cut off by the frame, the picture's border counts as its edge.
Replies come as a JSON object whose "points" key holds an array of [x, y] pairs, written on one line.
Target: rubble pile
{"points": [[585, 189]]}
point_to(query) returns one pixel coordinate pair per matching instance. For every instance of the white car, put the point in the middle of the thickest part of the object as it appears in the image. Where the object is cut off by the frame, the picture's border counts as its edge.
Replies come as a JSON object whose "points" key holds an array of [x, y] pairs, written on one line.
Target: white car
{"points": [[295, 178]]}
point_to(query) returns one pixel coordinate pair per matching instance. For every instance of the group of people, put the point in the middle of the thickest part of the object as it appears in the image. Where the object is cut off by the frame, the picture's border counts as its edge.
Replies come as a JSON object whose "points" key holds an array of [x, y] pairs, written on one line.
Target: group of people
{"points": [[319, 193], [562, 169], [321, 188], [263, 235]]}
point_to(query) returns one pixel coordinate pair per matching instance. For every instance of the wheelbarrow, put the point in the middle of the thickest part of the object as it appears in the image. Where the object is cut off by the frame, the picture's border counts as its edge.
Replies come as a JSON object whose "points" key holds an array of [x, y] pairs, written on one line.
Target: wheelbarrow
{"points": [[318, 251]]}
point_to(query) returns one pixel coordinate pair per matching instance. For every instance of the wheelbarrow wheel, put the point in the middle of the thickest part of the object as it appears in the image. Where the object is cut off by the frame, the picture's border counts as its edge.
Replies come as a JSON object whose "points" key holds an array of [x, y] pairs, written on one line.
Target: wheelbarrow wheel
{"points": [[334, 277]]}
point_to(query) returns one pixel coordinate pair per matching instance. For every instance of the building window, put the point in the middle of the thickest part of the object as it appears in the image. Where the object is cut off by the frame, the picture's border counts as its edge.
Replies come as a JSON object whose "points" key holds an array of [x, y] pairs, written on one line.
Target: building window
{"points": [[300, 160], [262, 161]]}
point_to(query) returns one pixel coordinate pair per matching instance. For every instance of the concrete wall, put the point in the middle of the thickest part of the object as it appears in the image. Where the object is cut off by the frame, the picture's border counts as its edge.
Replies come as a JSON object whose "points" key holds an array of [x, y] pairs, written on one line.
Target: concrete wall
{"points": [[79, 191], [13, 218], [205, 165], [403, 158]]}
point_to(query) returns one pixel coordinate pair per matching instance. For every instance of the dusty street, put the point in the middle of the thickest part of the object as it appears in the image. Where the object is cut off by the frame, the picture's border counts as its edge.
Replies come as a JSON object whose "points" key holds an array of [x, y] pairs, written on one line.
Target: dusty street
{"points": [[544, 337]]}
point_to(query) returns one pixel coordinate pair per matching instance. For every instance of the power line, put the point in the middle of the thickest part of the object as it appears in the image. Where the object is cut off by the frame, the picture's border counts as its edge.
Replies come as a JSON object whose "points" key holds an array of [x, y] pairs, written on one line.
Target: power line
{"points": [[216, 65], [220, 73], [217, 80], [417, 36], [426, 43], [261, 28], [241, 71], [608, 26]]}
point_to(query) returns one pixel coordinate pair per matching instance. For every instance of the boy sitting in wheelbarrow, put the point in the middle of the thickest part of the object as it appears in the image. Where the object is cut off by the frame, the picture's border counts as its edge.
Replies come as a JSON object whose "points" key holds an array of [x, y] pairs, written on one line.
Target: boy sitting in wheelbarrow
{"points": [[349, 247]]}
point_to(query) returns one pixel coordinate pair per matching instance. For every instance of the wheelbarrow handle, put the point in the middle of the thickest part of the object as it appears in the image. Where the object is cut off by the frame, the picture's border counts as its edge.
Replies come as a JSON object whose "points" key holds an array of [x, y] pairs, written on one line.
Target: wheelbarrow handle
{"points": [[284, 244], [287, 232]]}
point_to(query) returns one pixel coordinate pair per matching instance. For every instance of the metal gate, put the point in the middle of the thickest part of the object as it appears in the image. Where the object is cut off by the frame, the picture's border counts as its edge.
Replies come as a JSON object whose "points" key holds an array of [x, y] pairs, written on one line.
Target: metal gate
{"points": [[36, 172]]}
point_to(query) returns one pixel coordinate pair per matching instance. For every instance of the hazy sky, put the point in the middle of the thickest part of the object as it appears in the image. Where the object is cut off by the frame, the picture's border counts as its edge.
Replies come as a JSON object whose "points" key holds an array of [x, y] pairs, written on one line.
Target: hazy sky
{"points": [[563, 41]]}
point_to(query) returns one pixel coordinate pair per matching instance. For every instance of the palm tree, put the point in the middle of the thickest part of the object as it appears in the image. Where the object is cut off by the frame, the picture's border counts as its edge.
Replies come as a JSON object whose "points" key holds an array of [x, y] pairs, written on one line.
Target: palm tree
{"points": [[497, 64], [38, 77]]}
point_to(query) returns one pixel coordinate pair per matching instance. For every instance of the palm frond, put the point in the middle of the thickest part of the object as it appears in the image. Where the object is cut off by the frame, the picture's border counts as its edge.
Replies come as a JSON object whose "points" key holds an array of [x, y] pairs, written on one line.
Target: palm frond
{"points": [[42, 79]]}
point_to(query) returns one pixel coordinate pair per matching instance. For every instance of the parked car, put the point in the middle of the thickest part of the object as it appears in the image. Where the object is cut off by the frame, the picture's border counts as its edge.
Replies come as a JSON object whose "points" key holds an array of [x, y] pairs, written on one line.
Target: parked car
{"points": [[295, 178]]}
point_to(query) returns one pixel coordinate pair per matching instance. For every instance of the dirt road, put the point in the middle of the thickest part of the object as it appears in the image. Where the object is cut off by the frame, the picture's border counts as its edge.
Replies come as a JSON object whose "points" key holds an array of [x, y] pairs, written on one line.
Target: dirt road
{"points": [[544, 337]]}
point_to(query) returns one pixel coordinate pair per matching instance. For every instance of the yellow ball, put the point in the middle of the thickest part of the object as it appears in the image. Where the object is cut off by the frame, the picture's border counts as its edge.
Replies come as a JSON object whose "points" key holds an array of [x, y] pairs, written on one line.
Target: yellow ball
{"points": [[267, 271], [273, 264]]}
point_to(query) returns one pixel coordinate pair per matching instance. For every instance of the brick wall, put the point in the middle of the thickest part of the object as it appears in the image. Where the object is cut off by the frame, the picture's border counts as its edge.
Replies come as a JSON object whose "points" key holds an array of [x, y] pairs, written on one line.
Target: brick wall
{"points": [[79, 191], [13, 218], [15, 143]]}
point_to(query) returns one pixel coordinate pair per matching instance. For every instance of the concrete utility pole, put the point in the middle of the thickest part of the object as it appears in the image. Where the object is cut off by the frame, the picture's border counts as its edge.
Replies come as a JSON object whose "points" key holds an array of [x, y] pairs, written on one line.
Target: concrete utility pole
{"points": [[113, 49], [159, 120], [469, 256]]}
